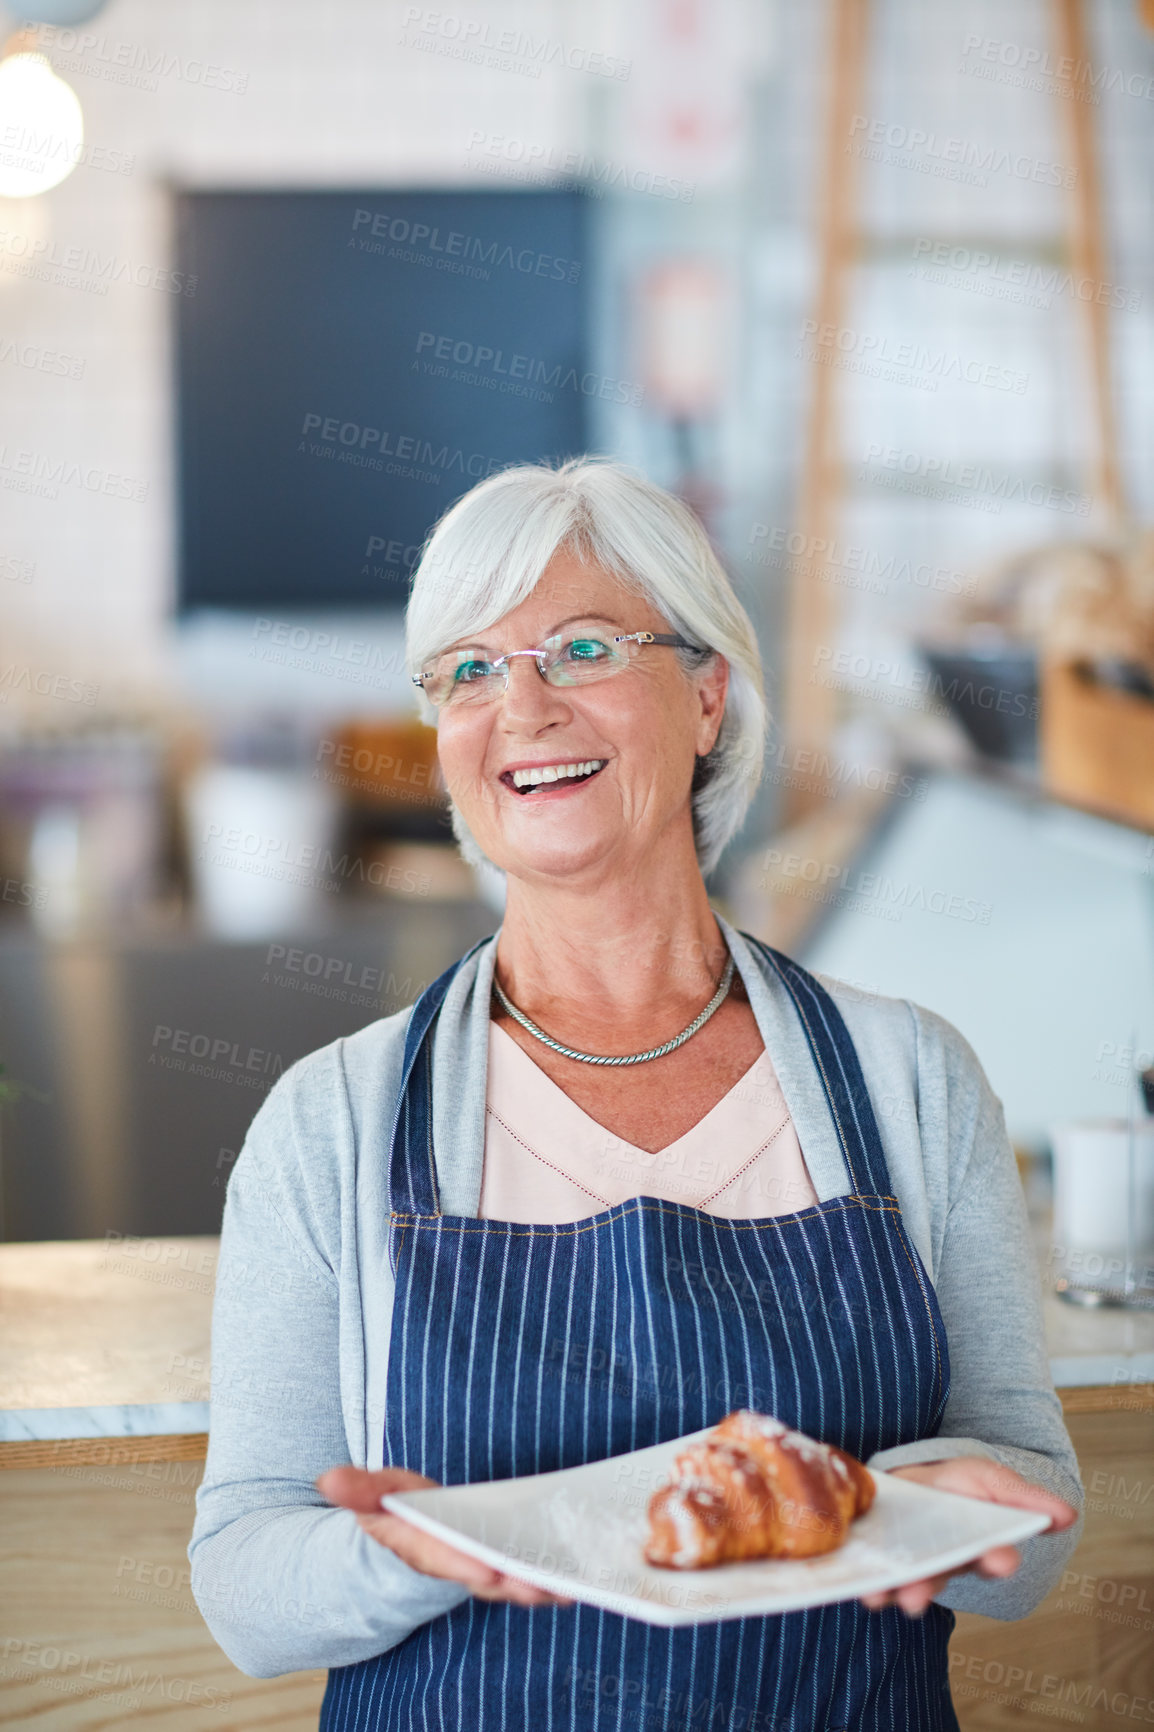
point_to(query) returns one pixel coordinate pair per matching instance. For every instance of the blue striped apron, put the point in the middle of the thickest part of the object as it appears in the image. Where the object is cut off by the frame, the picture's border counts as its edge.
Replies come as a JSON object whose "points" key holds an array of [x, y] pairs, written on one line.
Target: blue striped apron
{"points": [[518, 1349]]}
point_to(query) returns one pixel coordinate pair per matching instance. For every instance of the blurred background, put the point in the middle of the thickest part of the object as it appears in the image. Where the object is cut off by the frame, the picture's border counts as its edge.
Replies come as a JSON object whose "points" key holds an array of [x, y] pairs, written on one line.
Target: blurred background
{"points": [[870, 285]]}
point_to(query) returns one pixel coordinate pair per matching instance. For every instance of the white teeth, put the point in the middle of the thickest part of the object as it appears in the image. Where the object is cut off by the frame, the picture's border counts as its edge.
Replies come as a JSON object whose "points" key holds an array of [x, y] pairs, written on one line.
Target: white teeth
{"points": [[555, 772]]}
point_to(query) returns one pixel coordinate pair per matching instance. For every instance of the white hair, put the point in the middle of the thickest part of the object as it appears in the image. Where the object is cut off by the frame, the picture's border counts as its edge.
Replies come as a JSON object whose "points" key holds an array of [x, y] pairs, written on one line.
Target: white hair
{"points": [[490, 549]]}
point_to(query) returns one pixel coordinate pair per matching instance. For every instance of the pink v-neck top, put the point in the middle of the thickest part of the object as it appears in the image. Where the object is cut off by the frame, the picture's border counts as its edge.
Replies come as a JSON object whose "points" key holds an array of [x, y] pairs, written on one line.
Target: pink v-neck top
{"points": [[547, 1161]]}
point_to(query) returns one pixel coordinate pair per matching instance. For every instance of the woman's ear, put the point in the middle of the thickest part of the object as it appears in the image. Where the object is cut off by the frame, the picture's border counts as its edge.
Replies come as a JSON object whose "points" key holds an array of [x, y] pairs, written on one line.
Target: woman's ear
{"points": [[712, 686]]}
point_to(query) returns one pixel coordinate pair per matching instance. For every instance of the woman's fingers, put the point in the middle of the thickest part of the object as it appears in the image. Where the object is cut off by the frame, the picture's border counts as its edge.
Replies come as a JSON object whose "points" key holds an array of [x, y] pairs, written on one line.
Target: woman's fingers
{"points": [[361, 1491], [912, 1597], [357, 1488], [1003, 1486], [424, 1552], [977, 1476], [1000, 1561], [435, 1557], [522, 1594], [915, 1598]]}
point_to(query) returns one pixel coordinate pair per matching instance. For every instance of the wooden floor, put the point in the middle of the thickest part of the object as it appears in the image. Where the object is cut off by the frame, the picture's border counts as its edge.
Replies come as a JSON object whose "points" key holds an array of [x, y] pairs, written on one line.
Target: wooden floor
{"points": [[99, 1627]]}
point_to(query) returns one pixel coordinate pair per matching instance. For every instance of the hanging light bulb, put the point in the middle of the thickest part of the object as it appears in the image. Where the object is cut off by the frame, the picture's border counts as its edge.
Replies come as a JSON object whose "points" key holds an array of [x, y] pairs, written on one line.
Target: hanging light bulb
{"points": [[41, 126]]}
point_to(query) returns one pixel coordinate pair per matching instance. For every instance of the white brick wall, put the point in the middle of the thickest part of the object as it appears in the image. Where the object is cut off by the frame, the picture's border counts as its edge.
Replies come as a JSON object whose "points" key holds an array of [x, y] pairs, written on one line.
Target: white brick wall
{"points": [[331, 96]]}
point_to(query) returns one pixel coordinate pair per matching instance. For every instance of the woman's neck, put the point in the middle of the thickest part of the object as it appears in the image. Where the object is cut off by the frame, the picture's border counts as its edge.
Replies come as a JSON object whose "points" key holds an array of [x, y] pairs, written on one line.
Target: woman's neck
{"points": [[612, 964]]}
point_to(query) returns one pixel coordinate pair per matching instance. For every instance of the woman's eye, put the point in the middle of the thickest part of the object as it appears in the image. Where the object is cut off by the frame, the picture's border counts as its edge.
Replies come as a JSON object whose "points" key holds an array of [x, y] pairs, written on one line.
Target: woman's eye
{"points": [[471, 670], [586, 649]]}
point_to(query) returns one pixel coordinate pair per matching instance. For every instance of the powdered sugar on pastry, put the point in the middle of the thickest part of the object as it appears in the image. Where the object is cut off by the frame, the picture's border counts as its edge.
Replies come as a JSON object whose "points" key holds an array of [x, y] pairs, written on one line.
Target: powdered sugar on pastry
{"points": [[687, 1548], [752, 1488], [762, 1425]]}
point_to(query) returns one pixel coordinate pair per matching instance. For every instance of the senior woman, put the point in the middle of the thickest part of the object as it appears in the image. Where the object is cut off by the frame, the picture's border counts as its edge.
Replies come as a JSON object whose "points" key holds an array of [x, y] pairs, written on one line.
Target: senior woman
{"points": [[619, 1171]]}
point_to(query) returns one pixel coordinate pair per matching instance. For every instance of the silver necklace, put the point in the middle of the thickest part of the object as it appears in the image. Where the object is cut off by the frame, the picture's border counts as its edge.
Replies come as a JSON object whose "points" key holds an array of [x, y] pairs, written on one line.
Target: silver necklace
{"points": [[699, 1021]]}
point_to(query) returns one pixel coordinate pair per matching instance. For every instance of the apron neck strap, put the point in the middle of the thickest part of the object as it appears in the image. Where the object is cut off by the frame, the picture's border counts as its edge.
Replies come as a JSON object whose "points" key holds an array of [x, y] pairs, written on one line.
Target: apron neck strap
{"points": [[412, 1164], [839, 1068]]}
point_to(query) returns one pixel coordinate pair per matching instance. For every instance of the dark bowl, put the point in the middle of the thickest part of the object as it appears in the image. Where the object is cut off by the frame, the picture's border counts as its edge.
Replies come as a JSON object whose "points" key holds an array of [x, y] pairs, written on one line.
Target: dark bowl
{"points": [[993, 693]]}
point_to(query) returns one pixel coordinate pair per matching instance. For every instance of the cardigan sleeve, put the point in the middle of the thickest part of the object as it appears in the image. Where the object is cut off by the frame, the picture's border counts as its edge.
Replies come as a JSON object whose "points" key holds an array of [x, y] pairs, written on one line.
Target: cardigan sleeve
{"points": [[284, 1581], [1002, 1402]]}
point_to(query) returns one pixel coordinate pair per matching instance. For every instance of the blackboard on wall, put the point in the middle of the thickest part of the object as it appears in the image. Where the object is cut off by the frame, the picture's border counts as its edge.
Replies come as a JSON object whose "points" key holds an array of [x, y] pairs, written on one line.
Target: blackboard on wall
{"points": [[349, 363]]}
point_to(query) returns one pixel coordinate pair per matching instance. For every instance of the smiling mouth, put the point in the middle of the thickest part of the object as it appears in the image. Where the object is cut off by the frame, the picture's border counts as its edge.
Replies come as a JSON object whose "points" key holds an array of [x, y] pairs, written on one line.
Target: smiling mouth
{"points": [[537, 780]]}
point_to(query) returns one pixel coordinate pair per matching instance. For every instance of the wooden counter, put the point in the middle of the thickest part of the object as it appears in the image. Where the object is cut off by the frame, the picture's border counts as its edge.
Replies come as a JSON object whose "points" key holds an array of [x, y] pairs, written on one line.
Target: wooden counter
{"points": [[104, 1363], [103, 1426]]}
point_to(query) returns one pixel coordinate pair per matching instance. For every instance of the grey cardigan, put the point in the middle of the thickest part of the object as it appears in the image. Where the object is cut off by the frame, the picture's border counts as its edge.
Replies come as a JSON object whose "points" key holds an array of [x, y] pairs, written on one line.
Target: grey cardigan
{"points": [[304, 1292]]}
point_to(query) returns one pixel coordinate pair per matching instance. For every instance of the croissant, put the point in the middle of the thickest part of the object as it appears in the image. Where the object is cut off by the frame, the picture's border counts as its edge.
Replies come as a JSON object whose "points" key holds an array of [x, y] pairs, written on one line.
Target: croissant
{"points": [[755, 1489]]}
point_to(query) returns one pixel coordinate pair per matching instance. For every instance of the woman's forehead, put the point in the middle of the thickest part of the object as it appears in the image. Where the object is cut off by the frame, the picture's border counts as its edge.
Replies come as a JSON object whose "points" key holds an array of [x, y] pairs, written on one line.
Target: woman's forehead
{"points": [[578, 583], [567, 597]]}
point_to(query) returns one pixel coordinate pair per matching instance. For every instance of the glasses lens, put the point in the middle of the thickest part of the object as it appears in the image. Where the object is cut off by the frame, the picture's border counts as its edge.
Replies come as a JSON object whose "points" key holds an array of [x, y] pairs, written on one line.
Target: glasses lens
{"points": [[460, 678], [578, 658]]}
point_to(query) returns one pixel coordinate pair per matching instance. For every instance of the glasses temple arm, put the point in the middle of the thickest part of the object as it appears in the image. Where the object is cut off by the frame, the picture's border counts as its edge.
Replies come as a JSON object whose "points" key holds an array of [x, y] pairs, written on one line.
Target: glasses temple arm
{"points": [[662, 637]]}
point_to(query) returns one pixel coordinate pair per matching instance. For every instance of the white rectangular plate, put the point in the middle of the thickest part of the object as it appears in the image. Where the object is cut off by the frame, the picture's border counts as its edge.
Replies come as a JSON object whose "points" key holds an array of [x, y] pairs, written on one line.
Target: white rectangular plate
{"points": [[580, 1533]]}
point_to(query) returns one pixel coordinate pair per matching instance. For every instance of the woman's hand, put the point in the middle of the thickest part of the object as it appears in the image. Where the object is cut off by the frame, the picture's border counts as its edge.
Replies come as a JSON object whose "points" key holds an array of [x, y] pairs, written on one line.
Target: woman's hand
{"points": [[358, 1490], [972, 1476]]}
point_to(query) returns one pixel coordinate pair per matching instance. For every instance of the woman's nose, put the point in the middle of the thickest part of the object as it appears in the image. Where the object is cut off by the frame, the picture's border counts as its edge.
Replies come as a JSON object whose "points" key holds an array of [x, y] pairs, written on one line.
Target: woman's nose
{"points": [[529, 700]]}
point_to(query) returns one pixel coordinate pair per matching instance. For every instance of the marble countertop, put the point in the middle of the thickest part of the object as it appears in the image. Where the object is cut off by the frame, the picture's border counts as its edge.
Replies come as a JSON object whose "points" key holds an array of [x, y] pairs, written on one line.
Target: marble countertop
{"points": [[1092, 1348], [110, 1338], [105, 1338]]}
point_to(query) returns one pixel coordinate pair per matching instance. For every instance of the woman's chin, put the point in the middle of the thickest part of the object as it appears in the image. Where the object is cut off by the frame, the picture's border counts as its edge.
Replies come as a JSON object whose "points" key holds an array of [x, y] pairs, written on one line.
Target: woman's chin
{"points": [[539, 856]]}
